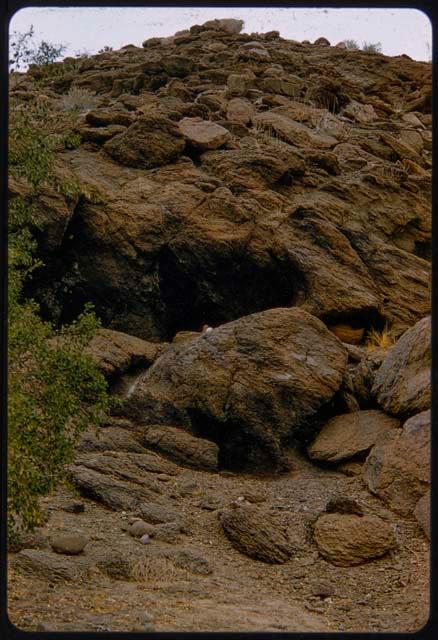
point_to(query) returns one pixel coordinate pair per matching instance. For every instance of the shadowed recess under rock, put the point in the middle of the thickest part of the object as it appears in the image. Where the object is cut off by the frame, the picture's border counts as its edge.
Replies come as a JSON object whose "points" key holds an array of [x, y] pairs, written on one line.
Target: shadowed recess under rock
{"points": [[224, 286]]}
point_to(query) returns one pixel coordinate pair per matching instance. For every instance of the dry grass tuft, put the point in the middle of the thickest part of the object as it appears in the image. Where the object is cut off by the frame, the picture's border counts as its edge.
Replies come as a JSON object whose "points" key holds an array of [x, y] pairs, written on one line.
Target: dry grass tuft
{"points": [[384, 339]]}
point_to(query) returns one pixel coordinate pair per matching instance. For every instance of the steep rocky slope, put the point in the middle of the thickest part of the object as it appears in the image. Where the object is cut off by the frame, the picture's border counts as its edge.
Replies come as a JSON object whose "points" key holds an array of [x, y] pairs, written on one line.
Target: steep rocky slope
{"points": [[272, 471]]}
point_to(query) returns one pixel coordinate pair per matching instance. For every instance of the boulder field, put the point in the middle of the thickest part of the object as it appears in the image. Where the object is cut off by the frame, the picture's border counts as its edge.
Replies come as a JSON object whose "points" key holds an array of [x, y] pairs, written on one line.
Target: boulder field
{"points": [[251, 218]]}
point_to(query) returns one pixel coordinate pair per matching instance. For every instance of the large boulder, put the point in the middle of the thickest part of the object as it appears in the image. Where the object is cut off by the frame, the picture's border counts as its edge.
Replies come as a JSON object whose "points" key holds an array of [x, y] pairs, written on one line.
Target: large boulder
{"points": [[151, 141], [251, 385], [350, 434], [402, 384], [398, 467]]}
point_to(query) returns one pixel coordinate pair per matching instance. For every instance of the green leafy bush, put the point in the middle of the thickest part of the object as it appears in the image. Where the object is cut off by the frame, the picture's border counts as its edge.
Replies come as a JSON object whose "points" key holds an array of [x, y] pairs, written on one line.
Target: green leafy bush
{"points": [[55, 390]]}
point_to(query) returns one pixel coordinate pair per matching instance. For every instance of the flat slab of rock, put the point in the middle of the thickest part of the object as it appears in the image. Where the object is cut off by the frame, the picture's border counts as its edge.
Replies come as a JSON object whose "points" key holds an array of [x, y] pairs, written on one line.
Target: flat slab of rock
{"points": [[398, 466], [254, 382], [52, 566], [203, 134], [182, 447], [70, 544], [115, 352], [350, 434], [113, 493], [402, 384], [348, 540], [109, 439], [255, 533]]}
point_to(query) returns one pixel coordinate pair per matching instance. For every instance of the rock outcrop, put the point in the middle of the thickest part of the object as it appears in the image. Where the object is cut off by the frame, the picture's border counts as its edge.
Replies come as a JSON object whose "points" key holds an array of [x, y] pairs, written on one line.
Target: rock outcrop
{"points": [[221, 174]]}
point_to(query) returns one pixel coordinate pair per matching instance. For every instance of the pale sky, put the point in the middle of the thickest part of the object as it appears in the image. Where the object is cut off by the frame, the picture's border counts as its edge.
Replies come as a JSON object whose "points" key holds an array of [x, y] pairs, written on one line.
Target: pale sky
{"points": [[90, 29]]}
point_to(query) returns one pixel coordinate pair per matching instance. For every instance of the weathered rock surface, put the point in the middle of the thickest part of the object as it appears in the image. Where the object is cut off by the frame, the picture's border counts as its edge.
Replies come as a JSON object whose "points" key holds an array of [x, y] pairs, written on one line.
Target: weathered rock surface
{"points": [[203, 134], [398, 466], [53, 566], [321, 196], [182, 447], [253, 532], [249, 385], [116, 352], [350, 434], [422, 513], [348, 540], [402, 384], [150, 141], [115, 494]]}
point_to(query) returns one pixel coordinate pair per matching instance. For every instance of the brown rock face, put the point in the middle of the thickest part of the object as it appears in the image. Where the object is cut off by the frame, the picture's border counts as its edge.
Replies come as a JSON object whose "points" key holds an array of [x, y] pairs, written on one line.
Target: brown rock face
{"points": [[348, 540], [250, 385], [349, 435], [309, 185], [402, 384], [398, 467], [253, 532], [181, 446], [150, 141], [117, 352]]}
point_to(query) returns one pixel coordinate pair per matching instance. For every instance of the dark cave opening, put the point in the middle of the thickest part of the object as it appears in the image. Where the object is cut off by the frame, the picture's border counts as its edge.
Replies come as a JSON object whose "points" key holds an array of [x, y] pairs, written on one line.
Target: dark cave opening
{"points": [[367, 319], [220, 287]]}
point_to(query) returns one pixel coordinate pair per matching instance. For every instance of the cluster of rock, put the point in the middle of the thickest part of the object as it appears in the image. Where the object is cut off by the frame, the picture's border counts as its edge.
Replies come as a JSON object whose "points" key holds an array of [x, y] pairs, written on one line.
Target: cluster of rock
{"points": [[222, 174], [279, 191]]}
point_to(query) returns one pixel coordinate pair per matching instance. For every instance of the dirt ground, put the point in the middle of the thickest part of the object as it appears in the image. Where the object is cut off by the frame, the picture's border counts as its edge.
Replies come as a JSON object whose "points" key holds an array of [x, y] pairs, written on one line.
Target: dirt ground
{"points": [[231, 592]]}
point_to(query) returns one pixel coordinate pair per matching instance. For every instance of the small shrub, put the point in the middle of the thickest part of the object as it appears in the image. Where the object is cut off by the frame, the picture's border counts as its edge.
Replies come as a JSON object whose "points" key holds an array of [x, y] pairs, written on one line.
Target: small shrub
{"points": [[79, 100], [24, 51], [350, 44], [370, 47], [383, 339], [54, 389]]}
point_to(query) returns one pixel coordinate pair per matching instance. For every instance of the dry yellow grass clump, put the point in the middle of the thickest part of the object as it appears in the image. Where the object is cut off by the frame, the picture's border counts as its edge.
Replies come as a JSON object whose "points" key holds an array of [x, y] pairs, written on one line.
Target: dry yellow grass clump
{"points": [[383, 339]]}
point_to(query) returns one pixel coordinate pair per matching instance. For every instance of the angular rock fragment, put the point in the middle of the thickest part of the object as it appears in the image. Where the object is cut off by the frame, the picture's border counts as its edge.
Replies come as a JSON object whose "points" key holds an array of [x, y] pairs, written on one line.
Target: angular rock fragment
{"points": [[350, 434], [398, 466], [402, 384], [203, 134]]}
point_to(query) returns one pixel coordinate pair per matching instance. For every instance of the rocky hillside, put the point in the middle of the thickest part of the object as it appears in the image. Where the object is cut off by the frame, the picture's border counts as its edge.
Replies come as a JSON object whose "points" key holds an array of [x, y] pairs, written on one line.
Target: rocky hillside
{"points": [[251, 218]]}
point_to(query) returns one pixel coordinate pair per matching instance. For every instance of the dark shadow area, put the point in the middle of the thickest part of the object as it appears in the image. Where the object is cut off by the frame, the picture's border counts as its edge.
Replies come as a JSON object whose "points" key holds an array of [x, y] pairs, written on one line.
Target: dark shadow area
{"points": [[223, 287]]}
